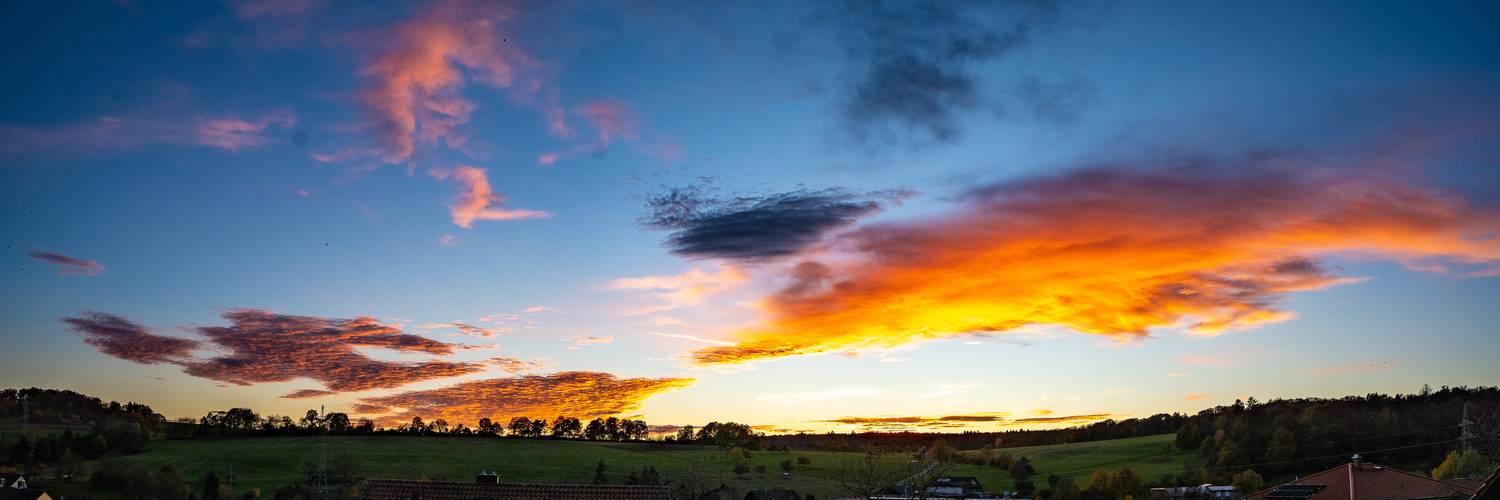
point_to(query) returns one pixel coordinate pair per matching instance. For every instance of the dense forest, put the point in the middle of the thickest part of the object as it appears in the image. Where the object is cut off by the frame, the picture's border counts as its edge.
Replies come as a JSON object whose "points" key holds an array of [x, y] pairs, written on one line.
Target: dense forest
{"points": [[1413, 431], [91, 428]]}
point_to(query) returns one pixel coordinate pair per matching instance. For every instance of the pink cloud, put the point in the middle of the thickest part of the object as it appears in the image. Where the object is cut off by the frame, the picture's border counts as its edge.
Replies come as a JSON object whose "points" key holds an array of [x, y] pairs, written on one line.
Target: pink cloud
{"points": [[69, 266], [417, 79], [234, 134], [611, 122], [264, 347], [478, 201], [114, 133]]}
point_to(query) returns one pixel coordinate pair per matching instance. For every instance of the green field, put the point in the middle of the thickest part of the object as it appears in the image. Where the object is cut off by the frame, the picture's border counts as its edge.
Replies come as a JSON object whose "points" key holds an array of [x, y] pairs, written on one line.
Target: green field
{"points": [[268, 463]]}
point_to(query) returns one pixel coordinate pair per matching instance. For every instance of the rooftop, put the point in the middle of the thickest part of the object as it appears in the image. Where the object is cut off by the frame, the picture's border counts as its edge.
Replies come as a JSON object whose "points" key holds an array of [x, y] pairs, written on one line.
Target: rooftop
{"points": [[1362, 481]]}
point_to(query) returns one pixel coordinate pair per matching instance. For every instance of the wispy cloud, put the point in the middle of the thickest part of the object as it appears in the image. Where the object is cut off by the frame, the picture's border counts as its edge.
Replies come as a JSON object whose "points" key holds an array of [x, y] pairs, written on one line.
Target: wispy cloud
{"points": [[689, 288], [517, 365], [693, 338], [116, 133], [468, 329], [69, 266], [234, 134], [581, 341], [1067, 419], [477, 200], [609, 120]]}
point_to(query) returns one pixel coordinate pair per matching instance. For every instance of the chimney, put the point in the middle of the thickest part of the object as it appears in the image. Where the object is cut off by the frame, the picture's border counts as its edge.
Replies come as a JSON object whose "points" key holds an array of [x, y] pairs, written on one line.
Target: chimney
{"points": [[487, 478], [1355, 460]]}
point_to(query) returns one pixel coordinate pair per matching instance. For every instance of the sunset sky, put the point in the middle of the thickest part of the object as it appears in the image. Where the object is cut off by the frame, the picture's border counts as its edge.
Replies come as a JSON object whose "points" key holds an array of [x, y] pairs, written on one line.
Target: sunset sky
{"points": [[796, 215]]}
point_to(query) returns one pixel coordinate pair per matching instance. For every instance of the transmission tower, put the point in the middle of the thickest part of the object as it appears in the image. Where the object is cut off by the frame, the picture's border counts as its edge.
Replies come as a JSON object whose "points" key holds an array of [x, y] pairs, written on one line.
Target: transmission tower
{"points": [[1466, 434]]}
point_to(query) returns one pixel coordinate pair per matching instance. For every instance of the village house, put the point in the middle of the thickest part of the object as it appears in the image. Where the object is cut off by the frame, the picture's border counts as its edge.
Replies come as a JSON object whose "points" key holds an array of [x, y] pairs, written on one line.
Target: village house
{"points": [[1205, 491], [13, 487]]}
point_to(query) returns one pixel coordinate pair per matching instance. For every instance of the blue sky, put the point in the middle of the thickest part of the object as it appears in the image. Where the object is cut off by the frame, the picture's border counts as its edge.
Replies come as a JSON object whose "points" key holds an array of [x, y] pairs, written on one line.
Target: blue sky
{"points": [[189, 161]]}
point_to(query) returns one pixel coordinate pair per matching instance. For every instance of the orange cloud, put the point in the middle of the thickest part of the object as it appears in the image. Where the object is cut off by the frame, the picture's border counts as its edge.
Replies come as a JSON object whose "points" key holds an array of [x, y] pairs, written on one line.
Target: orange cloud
{"points": [[1112, 253], [1196, 397], [1069, 419], [477, 201], [576, 394]]}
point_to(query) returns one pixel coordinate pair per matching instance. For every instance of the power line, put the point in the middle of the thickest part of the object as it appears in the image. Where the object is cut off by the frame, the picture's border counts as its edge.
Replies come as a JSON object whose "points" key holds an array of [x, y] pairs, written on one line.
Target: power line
{"points": [[1069, 472]]}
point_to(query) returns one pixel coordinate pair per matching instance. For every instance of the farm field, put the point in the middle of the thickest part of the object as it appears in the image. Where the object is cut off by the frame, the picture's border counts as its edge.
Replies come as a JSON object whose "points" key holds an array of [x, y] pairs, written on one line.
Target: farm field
{"points": [[268, 463]]}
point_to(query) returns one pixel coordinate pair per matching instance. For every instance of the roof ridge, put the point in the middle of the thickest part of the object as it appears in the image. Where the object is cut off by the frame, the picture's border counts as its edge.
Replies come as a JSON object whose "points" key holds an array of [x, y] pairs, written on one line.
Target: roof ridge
{"points": [[1420, 476]]}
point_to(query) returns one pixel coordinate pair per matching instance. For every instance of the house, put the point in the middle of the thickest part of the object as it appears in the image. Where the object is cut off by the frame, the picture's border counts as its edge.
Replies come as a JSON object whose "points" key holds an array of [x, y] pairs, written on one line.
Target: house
{"points": [[1205, 491], [488, 487], [12, 480], [1360, 480], [952, 487], [13, 487]]}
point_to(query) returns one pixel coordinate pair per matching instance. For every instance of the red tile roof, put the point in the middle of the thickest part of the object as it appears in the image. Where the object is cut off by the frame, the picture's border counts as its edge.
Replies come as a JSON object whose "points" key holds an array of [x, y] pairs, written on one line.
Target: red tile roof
{"points": [[1367, 481], [400, 489]]}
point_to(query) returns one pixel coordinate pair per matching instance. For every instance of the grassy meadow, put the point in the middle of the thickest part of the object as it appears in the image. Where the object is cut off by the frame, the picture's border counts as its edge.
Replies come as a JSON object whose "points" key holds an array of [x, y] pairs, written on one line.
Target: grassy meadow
{"points": [[268, 463]]}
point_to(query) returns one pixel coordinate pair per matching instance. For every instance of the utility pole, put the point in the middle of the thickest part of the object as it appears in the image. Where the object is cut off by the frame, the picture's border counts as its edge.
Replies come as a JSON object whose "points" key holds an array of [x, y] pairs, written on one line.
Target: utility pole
{"points": [[1467, 433], [322, 450], [25, 413]]}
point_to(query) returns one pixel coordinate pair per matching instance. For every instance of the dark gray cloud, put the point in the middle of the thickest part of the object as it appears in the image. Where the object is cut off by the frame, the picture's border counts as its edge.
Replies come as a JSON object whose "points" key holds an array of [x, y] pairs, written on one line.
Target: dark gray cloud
{"points": [[912, 64], [754, 227]]}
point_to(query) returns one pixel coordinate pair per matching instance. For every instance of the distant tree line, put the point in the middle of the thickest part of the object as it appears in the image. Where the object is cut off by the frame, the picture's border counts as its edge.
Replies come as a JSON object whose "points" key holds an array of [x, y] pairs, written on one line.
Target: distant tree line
{"points": [[246, 422], [1161, 423], [722, 434]]}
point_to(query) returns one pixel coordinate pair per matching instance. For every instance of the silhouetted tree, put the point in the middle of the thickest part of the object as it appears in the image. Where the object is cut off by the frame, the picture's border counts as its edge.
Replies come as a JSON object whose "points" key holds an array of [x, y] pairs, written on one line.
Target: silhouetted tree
{"points": [[520, 426]]}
